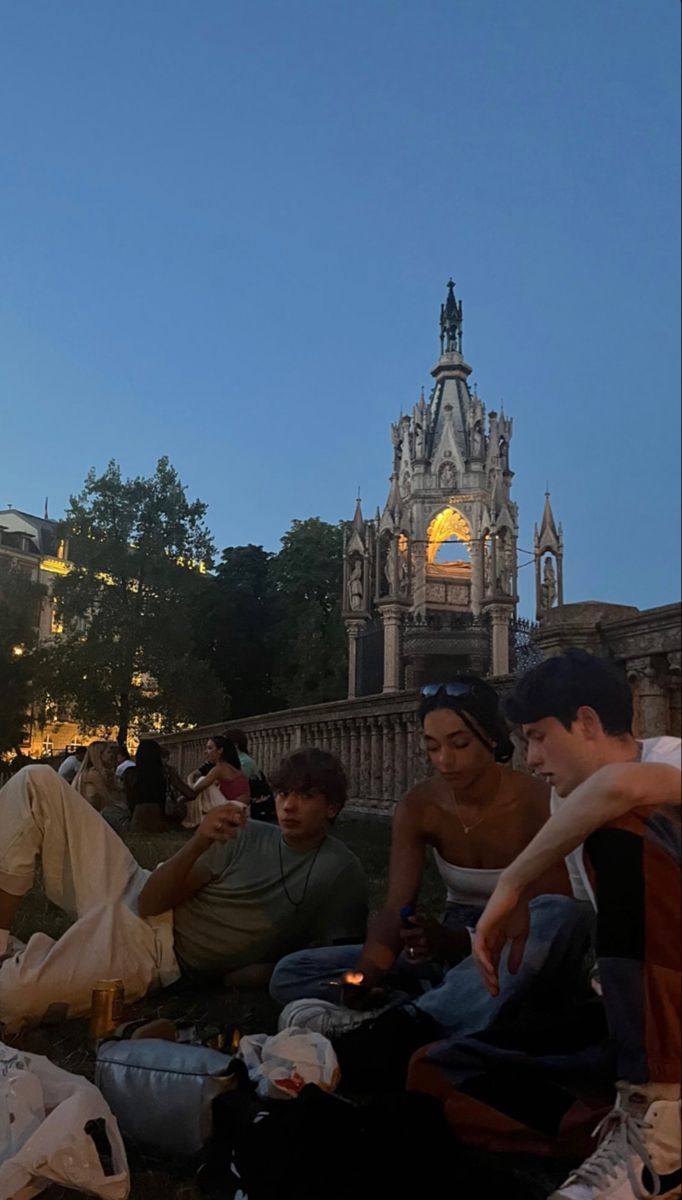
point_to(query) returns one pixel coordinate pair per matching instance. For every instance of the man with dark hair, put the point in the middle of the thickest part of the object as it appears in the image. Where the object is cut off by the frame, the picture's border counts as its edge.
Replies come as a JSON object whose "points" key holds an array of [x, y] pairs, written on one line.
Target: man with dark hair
{"points": [[238, 895], [616, 820]]}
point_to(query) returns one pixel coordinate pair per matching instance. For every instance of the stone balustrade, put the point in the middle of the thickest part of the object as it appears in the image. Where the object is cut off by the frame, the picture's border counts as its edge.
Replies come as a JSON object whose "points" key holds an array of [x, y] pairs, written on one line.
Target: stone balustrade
{"points": [[378, 737]]}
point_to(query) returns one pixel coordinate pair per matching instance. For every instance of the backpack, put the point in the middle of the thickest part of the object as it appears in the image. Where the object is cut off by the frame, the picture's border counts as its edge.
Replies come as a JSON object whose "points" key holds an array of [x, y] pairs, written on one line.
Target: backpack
{"points": [[322, 1147]]}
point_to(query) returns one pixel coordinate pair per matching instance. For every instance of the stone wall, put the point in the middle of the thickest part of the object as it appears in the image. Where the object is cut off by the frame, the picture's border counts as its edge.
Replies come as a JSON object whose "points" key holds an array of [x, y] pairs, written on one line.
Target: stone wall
{"points": [[378, 737], [647, 644]]}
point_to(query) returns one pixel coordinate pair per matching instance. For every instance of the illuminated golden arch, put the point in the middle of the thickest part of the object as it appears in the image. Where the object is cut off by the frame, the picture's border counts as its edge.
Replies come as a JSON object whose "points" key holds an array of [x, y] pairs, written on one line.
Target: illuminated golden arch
{"points": [[446, 524]]}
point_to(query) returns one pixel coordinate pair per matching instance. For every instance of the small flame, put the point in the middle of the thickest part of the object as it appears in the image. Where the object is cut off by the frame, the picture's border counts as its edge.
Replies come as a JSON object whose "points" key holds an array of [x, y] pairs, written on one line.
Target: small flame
{"points": [[356, 978]]}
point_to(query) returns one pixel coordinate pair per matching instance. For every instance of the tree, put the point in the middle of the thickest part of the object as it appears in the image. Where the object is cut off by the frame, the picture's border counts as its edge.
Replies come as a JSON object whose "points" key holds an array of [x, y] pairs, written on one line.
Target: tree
{"points": [[310, 644], [20, 599], [127, 654], [234, 619]]}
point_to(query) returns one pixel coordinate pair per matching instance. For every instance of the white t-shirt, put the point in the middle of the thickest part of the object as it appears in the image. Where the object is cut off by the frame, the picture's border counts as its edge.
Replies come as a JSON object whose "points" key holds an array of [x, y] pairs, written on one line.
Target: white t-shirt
{"points": [[70, 768], [654, 750]]}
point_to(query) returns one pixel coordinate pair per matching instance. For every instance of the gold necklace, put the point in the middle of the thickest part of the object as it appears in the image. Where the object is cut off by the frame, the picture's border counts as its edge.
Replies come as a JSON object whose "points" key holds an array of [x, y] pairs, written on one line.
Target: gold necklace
{"points": [[468, 828]]}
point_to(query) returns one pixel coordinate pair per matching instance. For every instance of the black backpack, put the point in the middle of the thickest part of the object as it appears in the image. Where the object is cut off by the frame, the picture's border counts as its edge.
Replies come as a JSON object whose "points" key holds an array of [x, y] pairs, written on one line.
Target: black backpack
{"points": [[322, 1147]]}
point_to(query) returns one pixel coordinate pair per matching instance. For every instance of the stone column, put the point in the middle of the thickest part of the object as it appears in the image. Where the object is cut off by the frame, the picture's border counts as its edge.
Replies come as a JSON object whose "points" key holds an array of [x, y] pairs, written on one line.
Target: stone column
{"points": [[499, 618], [353, 628], [476, 552], [391, 616], [652, 715], [674, 668]]}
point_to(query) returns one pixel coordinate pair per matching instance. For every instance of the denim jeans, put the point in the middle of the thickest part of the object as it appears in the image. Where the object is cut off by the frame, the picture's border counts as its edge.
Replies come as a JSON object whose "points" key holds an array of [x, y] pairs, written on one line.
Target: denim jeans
{"points": [[554, 959]]}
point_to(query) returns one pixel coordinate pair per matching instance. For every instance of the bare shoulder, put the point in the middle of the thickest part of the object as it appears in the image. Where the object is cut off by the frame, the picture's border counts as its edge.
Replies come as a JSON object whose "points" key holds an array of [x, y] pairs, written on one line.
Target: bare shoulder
{"points": [[413, 806], [529, 792]]}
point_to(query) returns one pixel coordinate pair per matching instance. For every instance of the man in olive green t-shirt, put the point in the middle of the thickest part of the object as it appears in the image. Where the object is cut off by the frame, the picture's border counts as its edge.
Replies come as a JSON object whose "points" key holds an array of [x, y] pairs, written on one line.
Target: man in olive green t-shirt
{"points": [[246, 893]]}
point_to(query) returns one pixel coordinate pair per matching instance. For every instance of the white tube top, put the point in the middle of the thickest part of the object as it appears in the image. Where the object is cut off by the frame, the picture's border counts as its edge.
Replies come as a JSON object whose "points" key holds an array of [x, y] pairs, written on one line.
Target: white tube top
{"points": [[467, 885]]}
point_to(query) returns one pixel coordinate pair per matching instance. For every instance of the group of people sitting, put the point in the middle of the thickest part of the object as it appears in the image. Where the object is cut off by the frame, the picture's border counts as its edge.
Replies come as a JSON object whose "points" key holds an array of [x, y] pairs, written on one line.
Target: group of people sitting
{"points": [[546, 999], [145, 794]]}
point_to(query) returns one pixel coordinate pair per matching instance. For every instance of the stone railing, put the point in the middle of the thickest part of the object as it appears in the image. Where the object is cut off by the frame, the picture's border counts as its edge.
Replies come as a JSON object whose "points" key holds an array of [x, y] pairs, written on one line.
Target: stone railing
{"points": [[378, 737]]}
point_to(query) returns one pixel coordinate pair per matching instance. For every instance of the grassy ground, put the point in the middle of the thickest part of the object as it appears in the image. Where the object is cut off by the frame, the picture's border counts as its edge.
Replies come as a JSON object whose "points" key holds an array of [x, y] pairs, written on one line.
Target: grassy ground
{"points": [[253, 1012]]}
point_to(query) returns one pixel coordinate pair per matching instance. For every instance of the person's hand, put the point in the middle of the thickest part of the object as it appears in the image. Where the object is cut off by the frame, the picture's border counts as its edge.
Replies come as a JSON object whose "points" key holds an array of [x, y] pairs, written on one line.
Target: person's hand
{"points": [[505, 919], [419, 939], [426, 940], [223, 823]]}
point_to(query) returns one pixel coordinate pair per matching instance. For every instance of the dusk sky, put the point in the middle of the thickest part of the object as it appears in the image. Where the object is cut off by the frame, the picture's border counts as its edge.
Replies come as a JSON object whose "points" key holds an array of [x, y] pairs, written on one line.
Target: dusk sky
{"points": [[227, 227]]}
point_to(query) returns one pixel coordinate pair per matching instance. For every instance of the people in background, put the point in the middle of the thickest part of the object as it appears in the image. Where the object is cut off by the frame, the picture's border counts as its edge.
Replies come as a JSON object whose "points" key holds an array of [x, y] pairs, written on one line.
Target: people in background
{"points": [[95, 779], [70, 767], [218, 780]]}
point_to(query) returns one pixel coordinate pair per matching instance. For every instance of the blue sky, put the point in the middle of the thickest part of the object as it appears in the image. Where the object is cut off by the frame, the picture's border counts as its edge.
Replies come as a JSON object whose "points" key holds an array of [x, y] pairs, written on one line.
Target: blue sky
{"points": [[227, 229]]}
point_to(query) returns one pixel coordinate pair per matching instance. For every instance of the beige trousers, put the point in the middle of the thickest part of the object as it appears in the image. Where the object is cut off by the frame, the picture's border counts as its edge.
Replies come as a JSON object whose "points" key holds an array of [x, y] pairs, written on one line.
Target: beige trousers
{"points": [[90, 874]]}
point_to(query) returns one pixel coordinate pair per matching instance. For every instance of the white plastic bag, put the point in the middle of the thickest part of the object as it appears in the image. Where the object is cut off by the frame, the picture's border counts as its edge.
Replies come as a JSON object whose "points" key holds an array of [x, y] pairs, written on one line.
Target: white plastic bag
{"points": [[283, 1064], [43, 1114]]}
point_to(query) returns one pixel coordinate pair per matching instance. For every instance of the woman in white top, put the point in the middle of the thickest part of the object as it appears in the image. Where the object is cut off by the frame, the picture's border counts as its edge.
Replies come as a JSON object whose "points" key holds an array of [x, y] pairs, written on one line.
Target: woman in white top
{"points": [[476, 813]]}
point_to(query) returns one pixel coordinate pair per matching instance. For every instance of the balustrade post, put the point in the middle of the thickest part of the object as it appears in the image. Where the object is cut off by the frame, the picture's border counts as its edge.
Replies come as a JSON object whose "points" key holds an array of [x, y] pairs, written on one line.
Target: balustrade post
{"points": [[400, 758], [652, 716], [387, 757], [375, 759], [674, 669], [365, 770]]}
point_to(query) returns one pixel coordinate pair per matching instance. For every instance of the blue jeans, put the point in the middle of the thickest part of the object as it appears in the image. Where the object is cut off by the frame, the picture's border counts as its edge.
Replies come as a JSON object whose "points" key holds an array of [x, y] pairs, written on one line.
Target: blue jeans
{"points": [[554, 960]]}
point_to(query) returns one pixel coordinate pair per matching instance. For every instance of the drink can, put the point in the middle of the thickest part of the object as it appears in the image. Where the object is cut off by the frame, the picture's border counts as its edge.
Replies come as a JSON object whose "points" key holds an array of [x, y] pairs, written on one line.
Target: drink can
{"points": [[106, 1010]]}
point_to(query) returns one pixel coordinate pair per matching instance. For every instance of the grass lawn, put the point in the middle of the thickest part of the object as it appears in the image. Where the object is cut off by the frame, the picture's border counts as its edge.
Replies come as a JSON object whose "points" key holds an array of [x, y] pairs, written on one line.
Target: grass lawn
{"points": [[253, 1012]]}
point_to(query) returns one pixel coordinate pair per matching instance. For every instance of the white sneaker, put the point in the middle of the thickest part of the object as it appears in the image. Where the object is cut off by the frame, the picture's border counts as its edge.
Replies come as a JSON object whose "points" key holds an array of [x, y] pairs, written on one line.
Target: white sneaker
{"points": [[321, 1016], [639, 1153]]}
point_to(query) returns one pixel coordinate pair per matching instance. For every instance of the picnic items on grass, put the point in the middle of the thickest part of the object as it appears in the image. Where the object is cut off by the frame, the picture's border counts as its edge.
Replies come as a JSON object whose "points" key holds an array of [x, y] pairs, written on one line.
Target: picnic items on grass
{"points": [[282, 1065], [162, 1092], [56, 1127]]}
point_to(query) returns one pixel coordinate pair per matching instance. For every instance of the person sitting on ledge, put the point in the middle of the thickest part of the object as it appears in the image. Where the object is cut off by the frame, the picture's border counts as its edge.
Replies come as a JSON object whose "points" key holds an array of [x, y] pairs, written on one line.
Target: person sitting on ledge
{"points": [[475, 814], [616, 820], [238, 894]]}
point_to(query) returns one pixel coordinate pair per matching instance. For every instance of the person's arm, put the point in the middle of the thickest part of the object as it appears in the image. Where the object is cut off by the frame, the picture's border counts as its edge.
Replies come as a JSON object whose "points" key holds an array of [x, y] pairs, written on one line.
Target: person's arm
{"points": [[179, 784], [608, 794], [181, 876], [205, 781], [383, 943]]}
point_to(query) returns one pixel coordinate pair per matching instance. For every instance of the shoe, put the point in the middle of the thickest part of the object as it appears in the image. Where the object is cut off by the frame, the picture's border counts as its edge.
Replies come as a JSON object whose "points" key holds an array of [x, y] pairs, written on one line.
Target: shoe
{"points": [[374, 1057], [320, 1016], [638, 1155]]}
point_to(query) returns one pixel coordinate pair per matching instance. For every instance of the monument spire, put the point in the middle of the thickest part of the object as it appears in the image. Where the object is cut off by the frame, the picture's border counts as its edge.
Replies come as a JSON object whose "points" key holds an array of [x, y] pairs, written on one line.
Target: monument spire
{"points": [[451, 322]]}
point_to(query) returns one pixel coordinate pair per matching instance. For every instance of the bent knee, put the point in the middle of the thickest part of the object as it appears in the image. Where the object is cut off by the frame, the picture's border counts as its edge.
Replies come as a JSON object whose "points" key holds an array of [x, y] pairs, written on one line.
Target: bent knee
{"points": [[560, 911]]}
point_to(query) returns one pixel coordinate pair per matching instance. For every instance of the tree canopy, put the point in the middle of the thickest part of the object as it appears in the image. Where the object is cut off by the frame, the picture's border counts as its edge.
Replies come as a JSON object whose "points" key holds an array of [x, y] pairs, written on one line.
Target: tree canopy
{"points": [[127, 654], [311, 647], [20, 599]]}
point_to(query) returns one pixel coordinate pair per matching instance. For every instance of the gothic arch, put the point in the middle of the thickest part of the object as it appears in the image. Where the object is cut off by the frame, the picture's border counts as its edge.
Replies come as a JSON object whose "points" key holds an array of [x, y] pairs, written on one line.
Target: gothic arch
{"points": [[447, 524]]}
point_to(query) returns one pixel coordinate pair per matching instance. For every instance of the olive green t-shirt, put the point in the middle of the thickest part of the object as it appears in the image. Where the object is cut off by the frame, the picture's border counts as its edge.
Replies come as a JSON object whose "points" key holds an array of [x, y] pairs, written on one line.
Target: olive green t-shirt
{"points": [[254, 908]]}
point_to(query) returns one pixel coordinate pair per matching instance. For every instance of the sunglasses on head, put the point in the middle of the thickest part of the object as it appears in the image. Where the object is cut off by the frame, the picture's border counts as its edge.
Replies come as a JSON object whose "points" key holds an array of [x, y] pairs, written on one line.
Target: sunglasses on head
{"points": [[456, 690]]}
